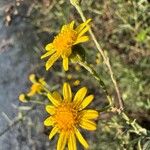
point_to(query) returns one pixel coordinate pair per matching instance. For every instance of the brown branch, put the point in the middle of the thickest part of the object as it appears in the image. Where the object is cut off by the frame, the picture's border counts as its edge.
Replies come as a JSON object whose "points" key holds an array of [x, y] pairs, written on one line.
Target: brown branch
{"points": [[105, 58]]}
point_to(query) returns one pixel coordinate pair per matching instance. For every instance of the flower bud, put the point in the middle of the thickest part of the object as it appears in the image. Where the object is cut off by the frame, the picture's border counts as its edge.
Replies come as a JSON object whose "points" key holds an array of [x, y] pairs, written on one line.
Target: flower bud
{"points": [[22, 98]]}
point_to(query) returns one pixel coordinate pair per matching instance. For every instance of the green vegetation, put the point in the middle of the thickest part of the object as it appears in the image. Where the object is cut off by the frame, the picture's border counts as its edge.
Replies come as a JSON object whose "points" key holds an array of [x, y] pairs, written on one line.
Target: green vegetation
{"points": [[122, 28]]}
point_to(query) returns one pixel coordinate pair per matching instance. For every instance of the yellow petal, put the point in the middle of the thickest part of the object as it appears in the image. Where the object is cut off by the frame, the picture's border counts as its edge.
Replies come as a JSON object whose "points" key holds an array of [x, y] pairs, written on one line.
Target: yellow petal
{"points": [[72, 142], [49, 121], [65, 63], [57, 96], [67, 53], [53, 132], [31, 93], [81, 39], [32, 78], [86, 102], [83, 31], [50, 109], [53, 99], [51, 60], [81, 139], [81, 26], [50, 52], [80, 96], [89, 114], [72, 24], [67, 93], [64, 27], [88, 124], [49, 47], [22, 97], [62, 141]]}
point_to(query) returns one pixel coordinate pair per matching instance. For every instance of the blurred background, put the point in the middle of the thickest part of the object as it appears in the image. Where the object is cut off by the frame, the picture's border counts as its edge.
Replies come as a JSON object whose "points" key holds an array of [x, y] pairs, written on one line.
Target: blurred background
{"points": [[123, 29]]}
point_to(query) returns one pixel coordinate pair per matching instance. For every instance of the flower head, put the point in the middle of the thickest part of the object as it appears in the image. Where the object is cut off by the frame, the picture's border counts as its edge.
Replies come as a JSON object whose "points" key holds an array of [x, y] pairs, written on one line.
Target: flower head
{"points": [[67, 114], [63, 43], [37, 85]]}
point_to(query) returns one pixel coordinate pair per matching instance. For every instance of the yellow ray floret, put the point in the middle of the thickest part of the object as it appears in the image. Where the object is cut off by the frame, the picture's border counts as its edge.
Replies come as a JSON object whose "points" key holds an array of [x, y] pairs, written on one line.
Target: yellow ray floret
{"points": [[67, 114], [63, 43], [37, 85]]}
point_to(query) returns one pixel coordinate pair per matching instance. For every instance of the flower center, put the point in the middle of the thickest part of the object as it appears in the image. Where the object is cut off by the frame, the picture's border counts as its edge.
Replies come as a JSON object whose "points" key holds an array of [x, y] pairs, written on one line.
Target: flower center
{"points": [[65, 117], [64, 41]]}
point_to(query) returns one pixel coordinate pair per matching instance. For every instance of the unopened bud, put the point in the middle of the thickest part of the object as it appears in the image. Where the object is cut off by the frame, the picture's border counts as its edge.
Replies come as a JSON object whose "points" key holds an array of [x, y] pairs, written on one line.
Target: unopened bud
{"points": [[76, 82], [22, 98], [33, 78]]}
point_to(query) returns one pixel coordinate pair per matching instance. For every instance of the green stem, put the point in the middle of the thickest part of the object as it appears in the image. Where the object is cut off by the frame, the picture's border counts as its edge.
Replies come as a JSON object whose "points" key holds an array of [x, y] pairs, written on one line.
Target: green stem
{"points": [[139, 145], [98, 78], [137, 128], [38, 102], [106, 108], [45, 88]]}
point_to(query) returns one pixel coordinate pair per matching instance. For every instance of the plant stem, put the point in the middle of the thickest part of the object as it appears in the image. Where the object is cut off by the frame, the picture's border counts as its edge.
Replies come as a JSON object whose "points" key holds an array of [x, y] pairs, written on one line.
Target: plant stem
{"points": [[16, 121], [97, 77], [37, 102], [105, 58]]}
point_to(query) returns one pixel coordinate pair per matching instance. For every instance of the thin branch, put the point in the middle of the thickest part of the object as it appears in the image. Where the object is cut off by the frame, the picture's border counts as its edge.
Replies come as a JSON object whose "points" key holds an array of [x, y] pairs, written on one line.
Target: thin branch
{"points": [[105, 58], [15, 122], [98, 78]]}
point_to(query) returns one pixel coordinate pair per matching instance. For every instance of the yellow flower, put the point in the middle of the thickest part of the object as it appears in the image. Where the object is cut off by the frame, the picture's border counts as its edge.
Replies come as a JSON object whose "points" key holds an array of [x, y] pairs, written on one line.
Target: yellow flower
{"points": [[76, 82], [22, 98], [37, 85], [68, 114], [63, 43]]}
